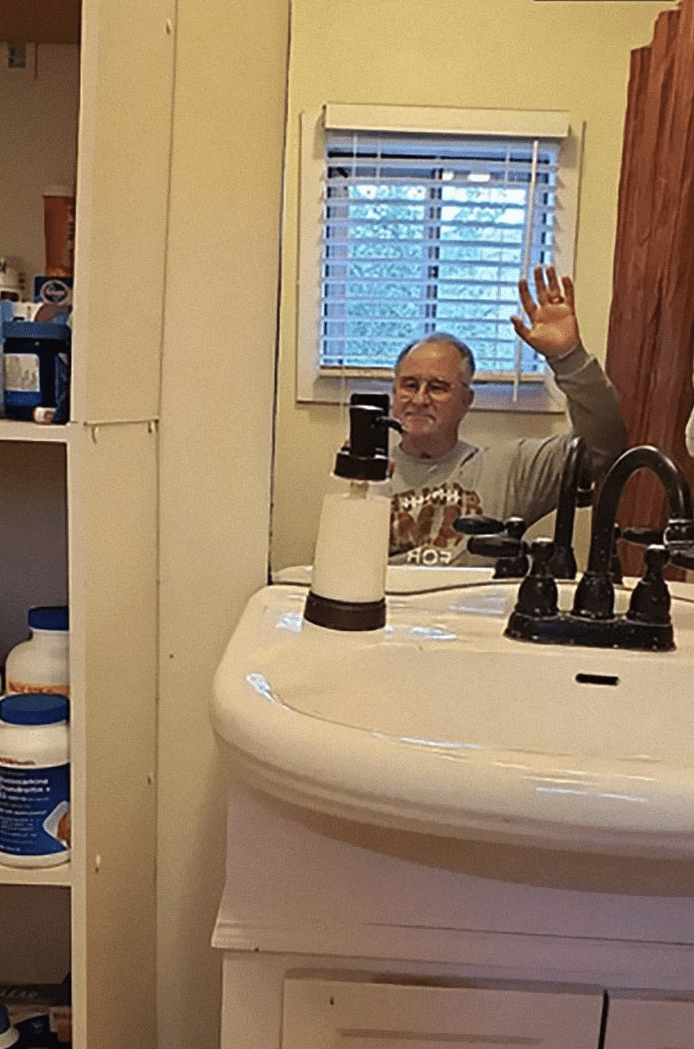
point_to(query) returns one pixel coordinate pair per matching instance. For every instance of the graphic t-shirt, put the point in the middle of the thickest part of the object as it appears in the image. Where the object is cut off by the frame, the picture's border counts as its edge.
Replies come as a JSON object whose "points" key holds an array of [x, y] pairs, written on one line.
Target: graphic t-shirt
{"points": [[514, 479]]}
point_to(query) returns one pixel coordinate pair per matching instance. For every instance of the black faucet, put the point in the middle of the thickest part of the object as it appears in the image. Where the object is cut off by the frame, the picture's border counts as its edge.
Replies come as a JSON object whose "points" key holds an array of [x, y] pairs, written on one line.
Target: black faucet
{"points": [[594, 598], [592, 622]]}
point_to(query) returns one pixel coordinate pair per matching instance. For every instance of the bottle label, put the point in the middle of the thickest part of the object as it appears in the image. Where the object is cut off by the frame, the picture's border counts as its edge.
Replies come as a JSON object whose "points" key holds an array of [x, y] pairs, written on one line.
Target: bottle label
{"points": [[21, 373], [34, 810], [13, 685]]}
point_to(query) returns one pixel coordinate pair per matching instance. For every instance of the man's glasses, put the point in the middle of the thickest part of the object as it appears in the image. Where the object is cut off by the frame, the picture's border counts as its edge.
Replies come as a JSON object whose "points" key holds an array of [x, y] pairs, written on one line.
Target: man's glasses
{"points": [[438, 389]]}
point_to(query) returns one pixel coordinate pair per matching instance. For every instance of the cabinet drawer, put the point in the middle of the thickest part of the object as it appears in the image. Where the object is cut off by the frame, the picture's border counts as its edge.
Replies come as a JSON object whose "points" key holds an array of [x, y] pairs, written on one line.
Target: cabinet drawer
{"points": [[634, 1024], [326, 1014]]}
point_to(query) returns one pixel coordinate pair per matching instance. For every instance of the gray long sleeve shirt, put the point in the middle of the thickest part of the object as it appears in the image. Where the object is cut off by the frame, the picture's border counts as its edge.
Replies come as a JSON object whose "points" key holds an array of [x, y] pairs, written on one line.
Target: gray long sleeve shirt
{"points": [[515, 478]]}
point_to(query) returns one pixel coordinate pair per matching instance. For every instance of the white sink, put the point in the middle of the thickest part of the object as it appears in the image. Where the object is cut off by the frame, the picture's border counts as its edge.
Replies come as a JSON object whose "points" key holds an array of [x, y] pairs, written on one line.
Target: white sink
{"points": [[440, 724]]}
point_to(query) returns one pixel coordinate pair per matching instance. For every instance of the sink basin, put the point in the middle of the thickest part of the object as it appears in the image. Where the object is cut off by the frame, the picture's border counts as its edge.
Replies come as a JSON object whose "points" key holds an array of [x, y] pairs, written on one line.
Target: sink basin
{"points": [[439, 724]]}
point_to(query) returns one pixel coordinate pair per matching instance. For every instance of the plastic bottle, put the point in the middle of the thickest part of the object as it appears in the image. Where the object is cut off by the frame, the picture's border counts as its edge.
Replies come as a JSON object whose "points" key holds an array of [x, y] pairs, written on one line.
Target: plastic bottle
{"points": [[36, 358], [349, 567], [34, 780], [41, 664]]}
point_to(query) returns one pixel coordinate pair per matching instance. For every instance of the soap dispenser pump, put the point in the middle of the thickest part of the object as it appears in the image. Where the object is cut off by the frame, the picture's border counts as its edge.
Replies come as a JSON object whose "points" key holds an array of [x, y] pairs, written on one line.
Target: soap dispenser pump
{"points": [[349, 568]]}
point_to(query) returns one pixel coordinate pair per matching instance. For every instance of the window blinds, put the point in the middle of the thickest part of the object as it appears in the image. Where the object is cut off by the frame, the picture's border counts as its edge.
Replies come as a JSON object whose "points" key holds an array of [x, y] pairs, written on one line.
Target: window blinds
{"points": [[430, 232]]}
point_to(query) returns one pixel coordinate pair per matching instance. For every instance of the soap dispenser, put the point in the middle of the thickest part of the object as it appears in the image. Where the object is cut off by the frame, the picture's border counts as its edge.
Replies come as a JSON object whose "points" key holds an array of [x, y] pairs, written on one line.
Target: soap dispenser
{"points": [[349, 568]]}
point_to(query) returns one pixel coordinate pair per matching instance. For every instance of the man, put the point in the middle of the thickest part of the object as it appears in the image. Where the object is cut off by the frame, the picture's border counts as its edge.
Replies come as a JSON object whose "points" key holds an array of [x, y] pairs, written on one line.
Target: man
{"points": [[437, 477]]}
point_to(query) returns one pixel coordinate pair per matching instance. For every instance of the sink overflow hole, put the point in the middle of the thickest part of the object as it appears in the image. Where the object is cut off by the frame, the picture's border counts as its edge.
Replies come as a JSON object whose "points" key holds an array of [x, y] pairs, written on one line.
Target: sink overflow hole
{"points": [[597, 679]]}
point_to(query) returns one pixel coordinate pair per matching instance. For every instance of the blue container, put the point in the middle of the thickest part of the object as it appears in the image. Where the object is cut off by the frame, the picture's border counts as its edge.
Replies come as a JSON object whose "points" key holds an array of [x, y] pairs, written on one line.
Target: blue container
{"points": [[36, 368], [34, 780]]}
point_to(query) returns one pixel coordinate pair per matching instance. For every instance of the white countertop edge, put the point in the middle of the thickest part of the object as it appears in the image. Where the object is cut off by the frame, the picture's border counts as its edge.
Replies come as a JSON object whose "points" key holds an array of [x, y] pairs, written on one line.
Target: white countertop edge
{"points": [[609, 963]]}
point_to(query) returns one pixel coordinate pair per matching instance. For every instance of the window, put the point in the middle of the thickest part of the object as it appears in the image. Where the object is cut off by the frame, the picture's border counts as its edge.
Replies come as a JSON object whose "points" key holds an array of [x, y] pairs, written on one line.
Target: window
{"points": [[423, 234], [423, 228]]}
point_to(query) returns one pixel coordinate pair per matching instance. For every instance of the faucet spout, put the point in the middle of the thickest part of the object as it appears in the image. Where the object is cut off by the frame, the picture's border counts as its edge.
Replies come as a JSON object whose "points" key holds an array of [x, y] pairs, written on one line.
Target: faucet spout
{"points": [[643, 457]]}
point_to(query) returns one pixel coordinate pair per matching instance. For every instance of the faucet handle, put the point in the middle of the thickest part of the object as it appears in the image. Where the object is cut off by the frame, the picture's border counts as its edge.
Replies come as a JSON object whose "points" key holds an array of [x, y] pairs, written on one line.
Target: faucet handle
{"points": [[515, 563], [509, 550], [679, 542], [650, 598], [494, 546], [478, 524], [537, 595], [511, 559]]}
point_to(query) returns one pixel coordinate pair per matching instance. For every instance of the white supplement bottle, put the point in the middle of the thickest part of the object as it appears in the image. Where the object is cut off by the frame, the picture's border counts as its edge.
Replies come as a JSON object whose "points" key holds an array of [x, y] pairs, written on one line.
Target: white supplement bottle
{"points": [[34, 780], [41, 663]]}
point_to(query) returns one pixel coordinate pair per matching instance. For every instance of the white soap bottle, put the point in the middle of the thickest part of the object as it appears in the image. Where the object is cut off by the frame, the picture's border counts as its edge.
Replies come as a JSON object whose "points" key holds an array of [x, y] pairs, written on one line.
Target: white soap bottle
{"points": [[349, 569]]}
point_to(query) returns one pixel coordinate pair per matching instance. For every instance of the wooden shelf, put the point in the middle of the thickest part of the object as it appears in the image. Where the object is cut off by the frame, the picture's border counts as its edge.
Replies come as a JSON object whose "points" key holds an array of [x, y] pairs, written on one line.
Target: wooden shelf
{"points": [[60, 875], [40, 21], [14, 430]]}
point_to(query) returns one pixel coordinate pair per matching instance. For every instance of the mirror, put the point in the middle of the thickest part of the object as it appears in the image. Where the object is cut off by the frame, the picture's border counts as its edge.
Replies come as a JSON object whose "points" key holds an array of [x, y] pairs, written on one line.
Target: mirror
{"points": [[504, 54]]}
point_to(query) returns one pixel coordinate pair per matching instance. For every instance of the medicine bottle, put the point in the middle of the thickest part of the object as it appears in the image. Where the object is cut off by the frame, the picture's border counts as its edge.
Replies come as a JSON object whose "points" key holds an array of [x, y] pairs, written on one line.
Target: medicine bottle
{"points": [[41, 664], [34, 780], [36, 359]]}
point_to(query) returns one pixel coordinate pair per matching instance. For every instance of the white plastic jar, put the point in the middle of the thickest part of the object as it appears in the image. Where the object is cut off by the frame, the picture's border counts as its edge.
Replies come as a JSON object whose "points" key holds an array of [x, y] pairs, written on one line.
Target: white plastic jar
{"points": [[34, 780], [41, 664]]}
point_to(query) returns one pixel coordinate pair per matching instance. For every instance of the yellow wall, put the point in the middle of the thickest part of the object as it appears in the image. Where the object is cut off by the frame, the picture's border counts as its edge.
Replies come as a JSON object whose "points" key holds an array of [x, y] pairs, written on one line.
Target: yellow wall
{"points": [[520, 54]]}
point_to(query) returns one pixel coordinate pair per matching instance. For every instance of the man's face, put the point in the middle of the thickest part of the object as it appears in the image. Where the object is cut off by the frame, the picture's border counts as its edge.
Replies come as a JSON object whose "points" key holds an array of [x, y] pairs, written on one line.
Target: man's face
{"points": [[431, 395]]}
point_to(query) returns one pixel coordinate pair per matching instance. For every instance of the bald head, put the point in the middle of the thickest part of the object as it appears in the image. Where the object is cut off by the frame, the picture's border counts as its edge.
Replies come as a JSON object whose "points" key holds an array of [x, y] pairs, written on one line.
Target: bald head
{"points": [[438, 338]]}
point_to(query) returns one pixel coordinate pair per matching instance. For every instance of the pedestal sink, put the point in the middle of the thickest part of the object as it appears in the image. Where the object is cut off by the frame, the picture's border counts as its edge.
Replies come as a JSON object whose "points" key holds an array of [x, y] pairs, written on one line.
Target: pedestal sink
{"points": [[440, 724]]}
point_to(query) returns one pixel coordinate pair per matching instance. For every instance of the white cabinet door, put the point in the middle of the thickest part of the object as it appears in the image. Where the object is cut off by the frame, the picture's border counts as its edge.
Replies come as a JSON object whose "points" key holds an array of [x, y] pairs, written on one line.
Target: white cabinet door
{"points": [[649, 1024], [339, 1014]]}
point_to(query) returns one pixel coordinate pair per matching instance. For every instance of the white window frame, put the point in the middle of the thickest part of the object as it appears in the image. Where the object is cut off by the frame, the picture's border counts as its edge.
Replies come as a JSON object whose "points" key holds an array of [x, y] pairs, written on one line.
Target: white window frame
{"points": [[311, 386]]}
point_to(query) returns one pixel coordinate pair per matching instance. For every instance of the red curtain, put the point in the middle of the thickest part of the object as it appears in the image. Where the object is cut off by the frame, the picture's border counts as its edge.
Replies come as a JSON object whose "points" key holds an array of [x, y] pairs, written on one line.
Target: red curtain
{"points": [[651, 326]]}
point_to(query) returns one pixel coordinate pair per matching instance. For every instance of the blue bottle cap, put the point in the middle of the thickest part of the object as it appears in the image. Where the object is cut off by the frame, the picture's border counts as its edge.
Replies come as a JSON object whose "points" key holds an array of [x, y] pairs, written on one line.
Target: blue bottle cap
{"points": [[49, 617], [34, 708]]}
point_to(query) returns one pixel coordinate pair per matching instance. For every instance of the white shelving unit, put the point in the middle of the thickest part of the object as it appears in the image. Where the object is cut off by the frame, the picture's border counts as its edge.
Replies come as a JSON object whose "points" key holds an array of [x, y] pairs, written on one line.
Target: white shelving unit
{"points": [[79, 518], [99, 909]]}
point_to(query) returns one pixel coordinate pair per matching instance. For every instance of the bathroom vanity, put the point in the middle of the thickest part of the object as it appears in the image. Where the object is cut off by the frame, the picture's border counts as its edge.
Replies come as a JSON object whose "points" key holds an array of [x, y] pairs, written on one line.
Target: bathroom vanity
{"points": [[380, 907], [390, 938]]}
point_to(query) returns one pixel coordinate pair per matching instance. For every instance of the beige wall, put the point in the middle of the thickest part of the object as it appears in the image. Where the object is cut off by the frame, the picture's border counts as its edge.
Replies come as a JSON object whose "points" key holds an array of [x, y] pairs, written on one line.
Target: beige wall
{"points": [[216, 412], [500, 54]]}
